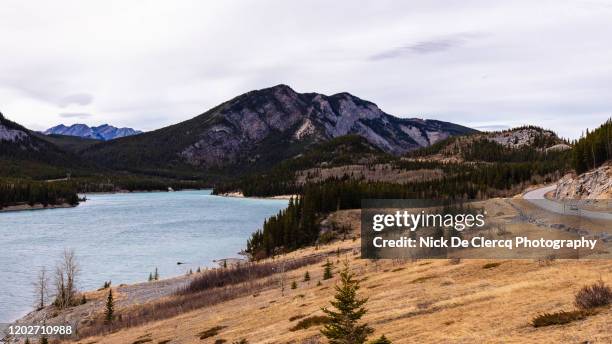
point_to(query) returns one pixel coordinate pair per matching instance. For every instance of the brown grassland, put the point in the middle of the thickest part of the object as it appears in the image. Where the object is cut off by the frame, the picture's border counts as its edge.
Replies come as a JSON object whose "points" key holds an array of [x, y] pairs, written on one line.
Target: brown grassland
{"points": [[410, 301]]}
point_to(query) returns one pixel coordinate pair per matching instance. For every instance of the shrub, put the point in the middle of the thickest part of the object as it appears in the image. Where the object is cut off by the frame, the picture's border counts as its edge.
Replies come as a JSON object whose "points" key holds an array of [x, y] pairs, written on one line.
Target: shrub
{"points": [[293, 285], [559, 318], [211, 332], [381, 340], [491, 265], [310, 322], [296, 317], [222, 277], [595, 295], [327, 237]]}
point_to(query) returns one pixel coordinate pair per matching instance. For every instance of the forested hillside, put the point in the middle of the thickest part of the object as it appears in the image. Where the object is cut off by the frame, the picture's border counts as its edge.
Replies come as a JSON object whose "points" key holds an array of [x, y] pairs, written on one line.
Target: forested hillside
{"points": [[28, 192], [593, 149]]}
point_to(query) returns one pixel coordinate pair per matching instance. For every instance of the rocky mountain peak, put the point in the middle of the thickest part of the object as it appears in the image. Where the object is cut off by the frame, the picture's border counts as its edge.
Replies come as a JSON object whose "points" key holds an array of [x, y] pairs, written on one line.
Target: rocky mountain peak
{"points": [[251, 119]]}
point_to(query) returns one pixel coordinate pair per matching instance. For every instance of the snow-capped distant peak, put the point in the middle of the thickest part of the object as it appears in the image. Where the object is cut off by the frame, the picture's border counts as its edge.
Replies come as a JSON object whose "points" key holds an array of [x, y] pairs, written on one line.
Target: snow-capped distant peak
{"points": [[103, 132]]}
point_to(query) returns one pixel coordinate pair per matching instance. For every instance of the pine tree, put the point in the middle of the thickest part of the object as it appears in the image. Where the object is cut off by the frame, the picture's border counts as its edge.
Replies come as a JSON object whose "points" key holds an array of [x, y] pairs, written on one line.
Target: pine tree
{"points": [[319, 284], [327, 272], [150, 277], [294, 285], [109, 312], [381, 340], [306, 277], [343, 326], [156, 275]]}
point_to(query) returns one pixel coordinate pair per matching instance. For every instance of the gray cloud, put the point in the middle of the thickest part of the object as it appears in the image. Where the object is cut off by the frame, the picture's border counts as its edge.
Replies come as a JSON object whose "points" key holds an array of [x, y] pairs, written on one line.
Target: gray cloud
{"points": [[493, 127], [76, 98], [409, 57], [75, 115], [434, 45]]}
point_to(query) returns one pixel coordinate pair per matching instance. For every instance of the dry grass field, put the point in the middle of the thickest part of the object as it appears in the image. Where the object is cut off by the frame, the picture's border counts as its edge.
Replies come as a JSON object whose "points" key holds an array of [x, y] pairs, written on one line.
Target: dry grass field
{"points": [[421, 301]]}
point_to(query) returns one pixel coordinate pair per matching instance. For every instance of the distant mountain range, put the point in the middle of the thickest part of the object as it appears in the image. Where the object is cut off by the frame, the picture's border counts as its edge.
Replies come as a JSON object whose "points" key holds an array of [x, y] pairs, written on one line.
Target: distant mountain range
{"points": [[103, 132]]}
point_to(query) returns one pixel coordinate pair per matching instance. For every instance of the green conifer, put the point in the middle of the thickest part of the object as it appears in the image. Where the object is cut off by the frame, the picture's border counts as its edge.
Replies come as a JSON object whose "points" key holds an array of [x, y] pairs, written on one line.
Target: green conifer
{"points": [[109, 312], [327, 272], [343, 326]]}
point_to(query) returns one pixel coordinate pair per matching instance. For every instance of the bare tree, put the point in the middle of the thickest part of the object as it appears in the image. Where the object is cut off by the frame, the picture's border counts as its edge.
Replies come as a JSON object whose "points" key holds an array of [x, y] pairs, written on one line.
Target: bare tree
{"points": [[66, 274], [41, 288], [282, 276]]}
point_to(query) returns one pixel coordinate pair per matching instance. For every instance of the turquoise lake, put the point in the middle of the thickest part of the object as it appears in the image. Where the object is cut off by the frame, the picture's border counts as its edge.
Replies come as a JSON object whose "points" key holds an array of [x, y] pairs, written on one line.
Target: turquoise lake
{"points": [[122, 238]]}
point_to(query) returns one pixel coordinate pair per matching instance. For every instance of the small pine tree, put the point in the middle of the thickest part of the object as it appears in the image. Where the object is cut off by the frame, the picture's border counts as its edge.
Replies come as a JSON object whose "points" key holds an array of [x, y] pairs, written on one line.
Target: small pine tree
{"points": [[294, 285], [327, 272], [150, 277], [381, 340], [156, 275], [319, 284], [343, 326], [306, 277], [225, 263], [199, 270], [109, 312]]}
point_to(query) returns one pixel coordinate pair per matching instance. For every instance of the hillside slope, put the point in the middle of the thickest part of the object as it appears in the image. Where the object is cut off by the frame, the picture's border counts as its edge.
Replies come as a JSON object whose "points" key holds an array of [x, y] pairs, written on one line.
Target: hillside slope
{"points": [[420, 301], [24, 153], [263, 127]]}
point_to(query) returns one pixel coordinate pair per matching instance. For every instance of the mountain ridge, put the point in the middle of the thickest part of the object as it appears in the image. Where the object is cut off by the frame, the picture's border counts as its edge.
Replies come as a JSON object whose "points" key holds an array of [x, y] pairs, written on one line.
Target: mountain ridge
{"points": [[104, 132], [262, 127]]}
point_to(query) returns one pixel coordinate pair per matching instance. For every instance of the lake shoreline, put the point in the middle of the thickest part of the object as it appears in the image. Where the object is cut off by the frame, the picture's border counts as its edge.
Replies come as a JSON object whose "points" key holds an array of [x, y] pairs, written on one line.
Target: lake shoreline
{"points": [[107, 223], [38, 206], [238, 194]]}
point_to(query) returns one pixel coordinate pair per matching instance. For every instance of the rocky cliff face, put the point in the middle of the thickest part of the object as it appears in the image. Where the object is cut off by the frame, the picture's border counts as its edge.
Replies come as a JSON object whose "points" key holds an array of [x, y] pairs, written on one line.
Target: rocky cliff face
{"points": [[250, 120], [526, 136], [10, 132], [595, 184]]}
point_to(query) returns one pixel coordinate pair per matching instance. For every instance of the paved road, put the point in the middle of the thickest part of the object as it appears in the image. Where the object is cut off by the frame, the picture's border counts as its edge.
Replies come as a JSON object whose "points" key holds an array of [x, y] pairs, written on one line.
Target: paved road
{"points": [[537, 198]]}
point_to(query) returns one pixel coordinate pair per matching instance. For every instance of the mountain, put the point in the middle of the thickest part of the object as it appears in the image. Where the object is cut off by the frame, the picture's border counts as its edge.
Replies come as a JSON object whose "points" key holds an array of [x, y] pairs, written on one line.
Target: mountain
{"points": [[103, 132], [23, 153], [527, 143], [263, 127]]}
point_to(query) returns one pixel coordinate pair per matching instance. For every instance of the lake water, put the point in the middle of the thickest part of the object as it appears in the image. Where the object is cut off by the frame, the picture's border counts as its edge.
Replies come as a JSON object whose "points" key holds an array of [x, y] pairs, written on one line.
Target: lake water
{"points": [[122, 238]]}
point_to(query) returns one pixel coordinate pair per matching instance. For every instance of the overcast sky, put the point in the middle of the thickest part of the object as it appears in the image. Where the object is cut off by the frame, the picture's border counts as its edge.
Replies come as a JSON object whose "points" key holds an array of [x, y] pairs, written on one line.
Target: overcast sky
{"points": [[148, 64]]}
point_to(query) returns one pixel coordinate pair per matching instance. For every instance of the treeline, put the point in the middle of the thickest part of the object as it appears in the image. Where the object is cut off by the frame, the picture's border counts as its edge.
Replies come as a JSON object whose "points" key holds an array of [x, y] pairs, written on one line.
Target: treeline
{"points": [[494, 175], [280, 179], [593, 149], [133, 183], [31, 193], [298, 225]]}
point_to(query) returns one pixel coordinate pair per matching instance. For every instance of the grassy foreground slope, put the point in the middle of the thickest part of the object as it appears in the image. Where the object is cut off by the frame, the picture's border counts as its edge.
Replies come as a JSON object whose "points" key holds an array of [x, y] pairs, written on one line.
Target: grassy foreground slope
{"points": [[424, 301]]}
